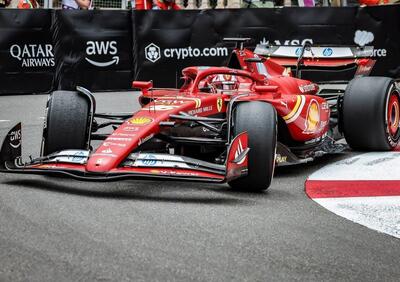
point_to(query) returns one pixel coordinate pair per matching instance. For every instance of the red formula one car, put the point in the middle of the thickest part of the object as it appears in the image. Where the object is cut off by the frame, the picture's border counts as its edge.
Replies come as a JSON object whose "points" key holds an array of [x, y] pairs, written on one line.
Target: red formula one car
{"points": [[225, 124]]}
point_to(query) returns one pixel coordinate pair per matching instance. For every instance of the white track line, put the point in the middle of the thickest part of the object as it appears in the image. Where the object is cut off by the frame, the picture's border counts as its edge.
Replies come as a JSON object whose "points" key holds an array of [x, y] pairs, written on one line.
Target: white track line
{"points": [[369, 166], [364, 189], [378, 213]]}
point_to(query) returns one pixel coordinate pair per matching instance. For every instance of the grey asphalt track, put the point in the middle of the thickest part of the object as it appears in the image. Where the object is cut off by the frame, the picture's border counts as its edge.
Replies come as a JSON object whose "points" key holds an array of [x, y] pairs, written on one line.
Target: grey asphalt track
{"points": [[62, 230]]}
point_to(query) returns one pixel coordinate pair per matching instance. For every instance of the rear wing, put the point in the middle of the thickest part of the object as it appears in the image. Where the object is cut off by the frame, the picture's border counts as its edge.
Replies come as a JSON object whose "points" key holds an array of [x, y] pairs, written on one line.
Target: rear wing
{"points": [[322, 63], [315, 52]]}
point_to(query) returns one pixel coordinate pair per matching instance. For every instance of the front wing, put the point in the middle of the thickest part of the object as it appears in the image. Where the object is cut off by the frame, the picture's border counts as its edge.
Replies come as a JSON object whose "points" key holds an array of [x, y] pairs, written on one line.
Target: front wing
{"points": [[72, 163]]}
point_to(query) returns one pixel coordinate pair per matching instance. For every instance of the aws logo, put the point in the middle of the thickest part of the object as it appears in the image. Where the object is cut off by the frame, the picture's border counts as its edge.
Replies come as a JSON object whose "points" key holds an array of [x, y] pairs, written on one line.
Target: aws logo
{"points": [[102, 48]]}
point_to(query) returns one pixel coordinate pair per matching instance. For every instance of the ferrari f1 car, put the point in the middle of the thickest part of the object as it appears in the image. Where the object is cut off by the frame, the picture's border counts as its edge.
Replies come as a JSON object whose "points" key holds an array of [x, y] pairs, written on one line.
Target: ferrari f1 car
{"points": [[225, 124]]}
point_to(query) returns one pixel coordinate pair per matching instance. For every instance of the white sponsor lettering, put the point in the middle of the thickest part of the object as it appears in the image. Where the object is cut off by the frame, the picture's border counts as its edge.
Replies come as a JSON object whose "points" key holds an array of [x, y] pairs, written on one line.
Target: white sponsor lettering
{"points": [[169, 102], [119, 139], [107, 144], [200, 110], [125, 134], [173, 172], [153, 52], [33, 55], [131, 128], [145, 139], [159, 107], [307, 88], [15, 139], [102, 48], [293, 42], [107, 151], [362, 38], [105, 155]]}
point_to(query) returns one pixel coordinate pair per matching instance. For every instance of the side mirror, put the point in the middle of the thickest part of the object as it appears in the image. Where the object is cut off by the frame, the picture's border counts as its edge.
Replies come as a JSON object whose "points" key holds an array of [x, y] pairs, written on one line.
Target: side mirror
{"points": [[267, 89], [255, 60], [143, 85], [206, 89]]}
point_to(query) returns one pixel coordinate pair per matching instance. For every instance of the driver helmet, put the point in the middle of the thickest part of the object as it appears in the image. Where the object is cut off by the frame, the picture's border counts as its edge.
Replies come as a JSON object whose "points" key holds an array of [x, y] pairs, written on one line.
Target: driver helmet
{"points": [[225, 82]]}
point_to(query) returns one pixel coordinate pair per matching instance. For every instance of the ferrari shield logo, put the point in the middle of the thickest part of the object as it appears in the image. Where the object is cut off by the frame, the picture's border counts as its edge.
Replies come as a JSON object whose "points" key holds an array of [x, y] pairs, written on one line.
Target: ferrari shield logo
{"points": [[219, 104]]}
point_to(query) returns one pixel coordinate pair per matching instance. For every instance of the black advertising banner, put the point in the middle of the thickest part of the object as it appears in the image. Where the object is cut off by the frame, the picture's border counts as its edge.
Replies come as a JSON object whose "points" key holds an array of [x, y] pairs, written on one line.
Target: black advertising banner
{"points": [[166, 42], [380, 27], [93, 49], [43, 50], [26, 52]]}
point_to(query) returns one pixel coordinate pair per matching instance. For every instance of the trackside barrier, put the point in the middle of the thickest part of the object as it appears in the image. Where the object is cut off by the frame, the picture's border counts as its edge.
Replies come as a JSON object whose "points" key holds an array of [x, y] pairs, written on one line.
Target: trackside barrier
{"points": [[26, 51], [42, 50], [92, 49]]}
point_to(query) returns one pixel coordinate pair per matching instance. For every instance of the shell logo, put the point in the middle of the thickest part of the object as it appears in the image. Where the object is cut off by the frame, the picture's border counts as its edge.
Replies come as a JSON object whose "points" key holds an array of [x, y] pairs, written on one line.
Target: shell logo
{"points": [[140, 120], [313, 117]]}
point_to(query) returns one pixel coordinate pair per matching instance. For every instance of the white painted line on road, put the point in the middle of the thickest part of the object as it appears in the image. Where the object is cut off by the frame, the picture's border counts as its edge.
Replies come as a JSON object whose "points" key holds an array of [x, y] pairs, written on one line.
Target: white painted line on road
{"points": [[378, 213], [364, 189], [370, 166], [4, 120]]}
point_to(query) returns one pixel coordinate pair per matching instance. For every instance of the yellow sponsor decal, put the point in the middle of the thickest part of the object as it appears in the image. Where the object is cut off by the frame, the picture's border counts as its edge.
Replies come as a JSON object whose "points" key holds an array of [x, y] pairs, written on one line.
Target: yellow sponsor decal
{"points": [[198, 102], [280, 159], [313, 118], [296, 111], [219, 104], [140, 120]]}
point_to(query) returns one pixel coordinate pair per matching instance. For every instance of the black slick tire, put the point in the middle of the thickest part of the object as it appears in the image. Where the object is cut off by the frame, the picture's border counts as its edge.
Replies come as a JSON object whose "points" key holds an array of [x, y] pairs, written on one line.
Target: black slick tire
{"points": [[367, 104], [66, 124], [259, 120]]}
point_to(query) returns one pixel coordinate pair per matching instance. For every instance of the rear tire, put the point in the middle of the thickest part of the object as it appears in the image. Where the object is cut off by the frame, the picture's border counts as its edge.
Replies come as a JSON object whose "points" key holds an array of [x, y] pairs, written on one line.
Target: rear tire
{"points": [[371, 114], [259, 120], [67, 122]]}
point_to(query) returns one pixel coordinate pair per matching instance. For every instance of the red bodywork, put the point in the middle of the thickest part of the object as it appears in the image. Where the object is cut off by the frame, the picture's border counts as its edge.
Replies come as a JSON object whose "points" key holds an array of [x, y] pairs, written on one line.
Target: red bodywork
{"points": [[305, 115]]}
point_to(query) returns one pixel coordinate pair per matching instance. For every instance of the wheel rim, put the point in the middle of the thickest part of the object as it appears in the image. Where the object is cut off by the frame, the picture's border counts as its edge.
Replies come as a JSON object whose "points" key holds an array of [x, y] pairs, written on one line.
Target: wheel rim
{"points": [[393, 114]]}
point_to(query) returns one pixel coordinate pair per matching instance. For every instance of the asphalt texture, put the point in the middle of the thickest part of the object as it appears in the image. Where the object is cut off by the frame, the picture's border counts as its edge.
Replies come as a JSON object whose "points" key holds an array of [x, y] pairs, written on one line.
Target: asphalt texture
{"points": [[64, 230]]}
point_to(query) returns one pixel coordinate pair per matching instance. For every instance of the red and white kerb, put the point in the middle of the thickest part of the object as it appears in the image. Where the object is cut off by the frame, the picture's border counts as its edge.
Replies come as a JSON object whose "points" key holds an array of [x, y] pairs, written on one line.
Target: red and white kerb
{"points": [[364, 189]]}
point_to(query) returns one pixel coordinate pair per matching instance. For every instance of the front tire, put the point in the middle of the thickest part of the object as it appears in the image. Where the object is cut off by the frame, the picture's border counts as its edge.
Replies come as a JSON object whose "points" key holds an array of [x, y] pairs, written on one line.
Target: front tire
{"points": [[259, 120], [67, 122], [371, 114]]}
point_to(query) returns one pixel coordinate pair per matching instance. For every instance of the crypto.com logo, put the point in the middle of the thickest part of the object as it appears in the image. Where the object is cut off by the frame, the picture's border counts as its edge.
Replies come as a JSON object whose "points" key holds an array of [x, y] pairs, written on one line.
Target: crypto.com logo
{"points": [[152, 52]]}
